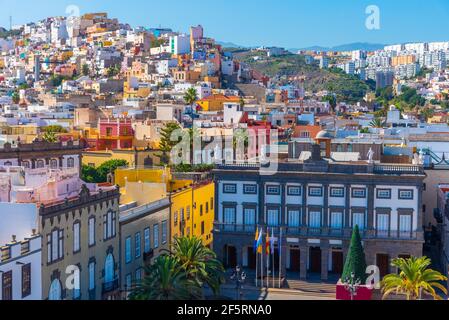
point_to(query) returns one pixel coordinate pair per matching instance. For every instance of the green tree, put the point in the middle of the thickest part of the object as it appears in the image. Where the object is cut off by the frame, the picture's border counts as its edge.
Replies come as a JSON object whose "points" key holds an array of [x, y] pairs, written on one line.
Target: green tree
{"points": [[109, 167], [15, 97], [166, 144], [199, 262], [415, 278], [191, 96], [85, 69], [166, 280], [377, 123], [355, 261], [332, 101], [54, 129], [89, 174]]}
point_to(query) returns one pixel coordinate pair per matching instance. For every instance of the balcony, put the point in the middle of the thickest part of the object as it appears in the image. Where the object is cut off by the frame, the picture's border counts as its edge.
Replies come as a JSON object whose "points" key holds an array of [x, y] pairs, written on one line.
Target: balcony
{"points": [[329, 232], [110, 286]]}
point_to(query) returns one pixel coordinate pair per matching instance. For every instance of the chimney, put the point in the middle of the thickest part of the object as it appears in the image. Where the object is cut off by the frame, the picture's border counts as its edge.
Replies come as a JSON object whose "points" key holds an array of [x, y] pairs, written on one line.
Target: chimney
{"points": [[316, 152], [14, 237]]}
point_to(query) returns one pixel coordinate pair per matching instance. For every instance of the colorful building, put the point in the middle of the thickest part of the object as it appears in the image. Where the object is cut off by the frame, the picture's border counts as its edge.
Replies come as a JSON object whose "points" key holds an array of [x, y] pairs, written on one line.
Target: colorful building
{"points": [[215, 102]]}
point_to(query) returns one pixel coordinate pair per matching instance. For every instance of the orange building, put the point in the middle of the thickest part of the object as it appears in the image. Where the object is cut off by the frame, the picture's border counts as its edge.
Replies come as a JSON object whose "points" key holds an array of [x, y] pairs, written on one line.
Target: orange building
{"points": [[215, 102]]}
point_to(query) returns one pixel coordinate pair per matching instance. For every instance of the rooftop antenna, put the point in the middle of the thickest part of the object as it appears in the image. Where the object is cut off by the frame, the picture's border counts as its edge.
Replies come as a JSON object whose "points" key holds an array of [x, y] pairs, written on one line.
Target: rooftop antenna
{"points": [[10, 23]]}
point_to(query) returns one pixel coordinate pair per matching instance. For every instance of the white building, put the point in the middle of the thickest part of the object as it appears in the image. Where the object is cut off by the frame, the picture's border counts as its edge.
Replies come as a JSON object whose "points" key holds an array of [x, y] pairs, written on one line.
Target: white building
{"points": [[180, 44]]}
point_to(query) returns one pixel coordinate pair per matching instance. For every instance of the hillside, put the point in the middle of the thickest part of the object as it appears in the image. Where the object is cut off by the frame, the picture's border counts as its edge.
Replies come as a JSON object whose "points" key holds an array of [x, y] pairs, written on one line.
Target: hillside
{"points": [[348, 88]]}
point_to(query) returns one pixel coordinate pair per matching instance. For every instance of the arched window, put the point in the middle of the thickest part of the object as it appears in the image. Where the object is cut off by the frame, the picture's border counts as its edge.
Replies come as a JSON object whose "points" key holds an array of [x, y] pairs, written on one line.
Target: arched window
{"points": [[40, 164], [8, 163], [55, 290], [70, 163], [26, 164], [54, 164], [109, 273]]}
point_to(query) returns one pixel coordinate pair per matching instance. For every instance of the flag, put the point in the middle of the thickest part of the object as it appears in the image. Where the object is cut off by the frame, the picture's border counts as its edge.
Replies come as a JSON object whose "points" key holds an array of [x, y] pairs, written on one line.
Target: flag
{"points": [[259, 243], [267, 243], [256, 240], [272, 241]]}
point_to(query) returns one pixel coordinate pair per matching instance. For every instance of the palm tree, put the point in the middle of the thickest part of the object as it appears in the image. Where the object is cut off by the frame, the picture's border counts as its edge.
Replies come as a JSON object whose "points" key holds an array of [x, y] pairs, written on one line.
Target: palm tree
{"points": [[199, 262], [377, 123], [414, 279], [165, 280], [50, 136], [190, 96]]}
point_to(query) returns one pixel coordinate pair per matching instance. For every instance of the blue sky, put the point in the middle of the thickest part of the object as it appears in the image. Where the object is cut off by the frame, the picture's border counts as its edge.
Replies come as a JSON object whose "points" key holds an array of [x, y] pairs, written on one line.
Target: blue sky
{"points": [[287, 23]]}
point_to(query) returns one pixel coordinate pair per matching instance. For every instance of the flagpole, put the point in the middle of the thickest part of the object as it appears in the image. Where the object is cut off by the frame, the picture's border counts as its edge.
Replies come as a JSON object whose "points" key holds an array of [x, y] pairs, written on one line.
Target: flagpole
{"points": [[261, 261], [280, 254], [257, 264], [268, 258]]}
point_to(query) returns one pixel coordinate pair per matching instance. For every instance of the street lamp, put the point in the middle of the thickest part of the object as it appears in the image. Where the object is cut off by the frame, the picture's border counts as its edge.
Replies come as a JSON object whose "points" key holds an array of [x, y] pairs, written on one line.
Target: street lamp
{"points": [[239, 276], [352, 285]]}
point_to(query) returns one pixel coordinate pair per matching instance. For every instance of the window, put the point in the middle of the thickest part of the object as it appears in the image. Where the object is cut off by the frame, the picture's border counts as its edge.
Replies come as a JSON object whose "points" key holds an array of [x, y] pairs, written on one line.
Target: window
{"points": [[164, 232], [405, 225], [109, 268], [76, 292], [336, 220], [273, 217], [70, 163], [229, 215], [250, 189], [55, 246], [293, 191], [201, 210], [229, 188], [405, 194], [249, 216], [137, 241], [315, 191], [156, 236], [128, 281], [109, 225], [40, 164], [207, 207], [212, 203], [128, 250], [202, 228], [76, 237], [55, 292], [273, 190], [53, 164], [91, 231], [108, 131], [187, 212], [147, 244], [383, 224], [383, 193], [358, 219], [358, 193], [294, 218], [7, 286], [26, 164], [91, 275], [337, 192], [139, 275], [26, 280], [315, 219]]}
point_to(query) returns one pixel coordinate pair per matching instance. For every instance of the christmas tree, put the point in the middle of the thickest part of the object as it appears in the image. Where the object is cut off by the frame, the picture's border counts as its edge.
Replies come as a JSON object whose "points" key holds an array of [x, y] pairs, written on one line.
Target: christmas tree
{"points": [[355, 261]]}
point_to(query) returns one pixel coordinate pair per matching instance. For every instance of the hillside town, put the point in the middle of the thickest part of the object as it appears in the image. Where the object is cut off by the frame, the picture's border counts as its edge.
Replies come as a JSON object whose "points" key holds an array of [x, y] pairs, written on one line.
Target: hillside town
{"points": [[290, 171]]}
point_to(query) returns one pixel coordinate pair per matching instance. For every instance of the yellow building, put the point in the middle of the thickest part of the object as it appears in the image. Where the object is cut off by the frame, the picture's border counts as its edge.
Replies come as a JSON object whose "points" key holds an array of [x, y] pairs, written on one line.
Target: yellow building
{"points": [[192, 211], [215, 102], [192, 204], [134, 157]]}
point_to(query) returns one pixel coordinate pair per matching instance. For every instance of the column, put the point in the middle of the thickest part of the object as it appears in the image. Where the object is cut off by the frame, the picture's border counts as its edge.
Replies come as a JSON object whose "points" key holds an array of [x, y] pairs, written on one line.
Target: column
{"points": [[303, 262], [283, 221], [370, 211], [261, 203], [324, 262], [326, 208], [304, 206]]}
